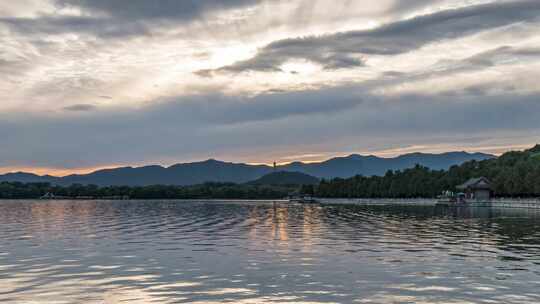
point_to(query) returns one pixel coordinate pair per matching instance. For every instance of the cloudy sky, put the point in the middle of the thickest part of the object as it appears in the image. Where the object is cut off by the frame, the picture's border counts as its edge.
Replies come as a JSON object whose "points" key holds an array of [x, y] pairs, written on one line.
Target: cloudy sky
{"points": [[88, 84]]}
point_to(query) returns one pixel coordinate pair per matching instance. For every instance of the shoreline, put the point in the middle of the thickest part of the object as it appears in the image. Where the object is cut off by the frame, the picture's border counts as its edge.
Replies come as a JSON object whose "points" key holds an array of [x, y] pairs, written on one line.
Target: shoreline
{"points": [[496, 203]]}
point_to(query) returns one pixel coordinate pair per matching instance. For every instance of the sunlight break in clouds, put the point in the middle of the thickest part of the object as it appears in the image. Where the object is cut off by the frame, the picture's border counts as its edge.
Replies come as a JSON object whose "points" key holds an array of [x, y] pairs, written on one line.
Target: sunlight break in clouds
{"points": [[258, 81]]}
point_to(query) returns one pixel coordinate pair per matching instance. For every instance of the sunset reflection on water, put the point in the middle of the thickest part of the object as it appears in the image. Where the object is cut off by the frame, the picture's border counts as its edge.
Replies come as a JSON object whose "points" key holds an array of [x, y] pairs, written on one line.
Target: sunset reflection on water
{"points": [[264, 252]]}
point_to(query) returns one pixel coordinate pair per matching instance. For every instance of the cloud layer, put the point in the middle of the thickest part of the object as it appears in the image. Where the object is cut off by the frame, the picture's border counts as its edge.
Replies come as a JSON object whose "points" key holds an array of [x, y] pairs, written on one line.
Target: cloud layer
{"points": [[113, 19], [344, 50], [91, 83]]}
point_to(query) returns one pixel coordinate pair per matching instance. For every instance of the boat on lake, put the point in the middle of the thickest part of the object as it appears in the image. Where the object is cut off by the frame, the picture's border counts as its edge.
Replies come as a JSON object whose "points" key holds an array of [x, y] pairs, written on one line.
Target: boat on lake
{"points": [[449, 198]]}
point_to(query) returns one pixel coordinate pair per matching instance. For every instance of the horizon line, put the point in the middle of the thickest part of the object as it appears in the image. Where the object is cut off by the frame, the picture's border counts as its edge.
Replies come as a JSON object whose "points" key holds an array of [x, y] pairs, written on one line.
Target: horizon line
{"points": [[385, 154]]}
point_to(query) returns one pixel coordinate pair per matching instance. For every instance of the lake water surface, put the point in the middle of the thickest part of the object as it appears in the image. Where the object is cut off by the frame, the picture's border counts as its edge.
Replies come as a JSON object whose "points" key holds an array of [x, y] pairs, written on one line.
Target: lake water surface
{"points": [[265, 252]]}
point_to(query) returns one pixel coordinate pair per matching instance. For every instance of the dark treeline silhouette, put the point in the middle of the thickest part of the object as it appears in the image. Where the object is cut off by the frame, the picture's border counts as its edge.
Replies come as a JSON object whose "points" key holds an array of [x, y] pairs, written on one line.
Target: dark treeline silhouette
{"points": [[16, 190], [514, 174]]}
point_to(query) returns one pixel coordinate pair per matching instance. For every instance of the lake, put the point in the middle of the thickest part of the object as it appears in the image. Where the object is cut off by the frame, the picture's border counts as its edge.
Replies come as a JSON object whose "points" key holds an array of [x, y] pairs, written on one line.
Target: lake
{"points": [[265, 252]]}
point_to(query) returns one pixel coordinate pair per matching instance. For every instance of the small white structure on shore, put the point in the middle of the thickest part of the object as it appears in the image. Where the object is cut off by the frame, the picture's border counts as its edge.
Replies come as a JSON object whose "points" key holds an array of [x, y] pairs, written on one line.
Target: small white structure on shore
{"points": [[48, 195]]}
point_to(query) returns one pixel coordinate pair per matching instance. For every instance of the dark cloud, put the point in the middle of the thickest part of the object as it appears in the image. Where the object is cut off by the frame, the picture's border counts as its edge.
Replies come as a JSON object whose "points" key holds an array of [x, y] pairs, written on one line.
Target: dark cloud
{"points": [[221, 109], [80, 108], [52, 25], [178, 10], [343, 50], [501, 55], [118, 18], [271, 57]]}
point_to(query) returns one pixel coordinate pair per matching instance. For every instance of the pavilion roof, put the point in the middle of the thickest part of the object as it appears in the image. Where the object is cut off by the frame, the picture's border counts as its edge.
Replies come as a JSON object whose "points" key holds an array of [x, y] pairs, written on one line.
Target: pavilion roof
{"points": [[476, 183]]}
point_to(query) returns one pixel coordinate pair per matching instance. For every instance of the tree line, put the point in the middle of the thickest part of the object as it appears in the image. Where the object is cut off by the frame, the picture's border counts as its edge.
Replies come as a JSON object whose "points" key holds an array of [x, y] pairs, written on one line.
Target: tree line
{"points": [[17, 190], [513, 174]]}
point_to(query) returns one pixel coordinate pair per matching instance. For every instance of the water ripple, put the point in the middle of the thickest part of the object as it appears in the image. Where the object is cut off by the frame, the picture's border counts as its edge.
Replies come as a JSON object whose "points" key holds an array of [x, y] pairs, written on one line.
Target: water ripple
{"points": [[264, 252]]}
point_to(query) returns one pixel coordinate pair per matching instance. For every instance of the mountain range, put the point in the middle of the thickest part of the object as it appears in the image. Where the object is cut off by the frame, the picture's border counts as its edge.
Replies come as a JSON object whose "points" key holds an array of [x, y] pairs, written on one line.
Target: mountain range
{"points": [[218, 171]]}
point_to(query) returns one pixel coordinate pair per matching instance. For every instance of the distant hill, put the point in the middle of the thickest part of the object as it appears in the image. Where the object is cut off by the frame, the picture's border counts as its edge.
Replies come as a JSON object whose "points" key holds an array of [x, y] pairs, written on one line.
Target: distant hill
{"points": [[515, 174], [372, 165], [180, 174], [286, 178], [535, 152], [218, 171], [29, 178]]}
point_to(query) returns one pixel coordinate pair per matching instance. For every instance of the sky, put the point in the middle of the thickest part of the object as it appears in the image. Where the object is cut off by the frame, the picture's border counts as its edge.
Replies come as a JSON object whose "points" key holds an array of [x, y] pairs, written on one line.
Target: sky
{"points": [[87, 84]]}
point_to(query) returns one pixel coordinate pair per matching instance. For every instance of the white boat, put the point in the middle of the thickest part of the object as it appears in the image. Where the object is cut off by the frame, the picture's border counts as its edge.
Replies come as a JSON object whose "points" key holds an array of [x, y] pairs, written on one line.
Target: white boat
{"points": [[449, 198]]}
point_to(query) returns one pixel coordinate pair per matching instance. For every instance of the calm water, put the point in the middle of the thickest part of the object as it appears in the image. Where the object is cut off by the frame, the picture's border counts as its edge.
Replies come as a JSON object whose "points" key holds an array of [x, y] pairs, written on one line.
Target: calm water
{"points": [[261, 252]]}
